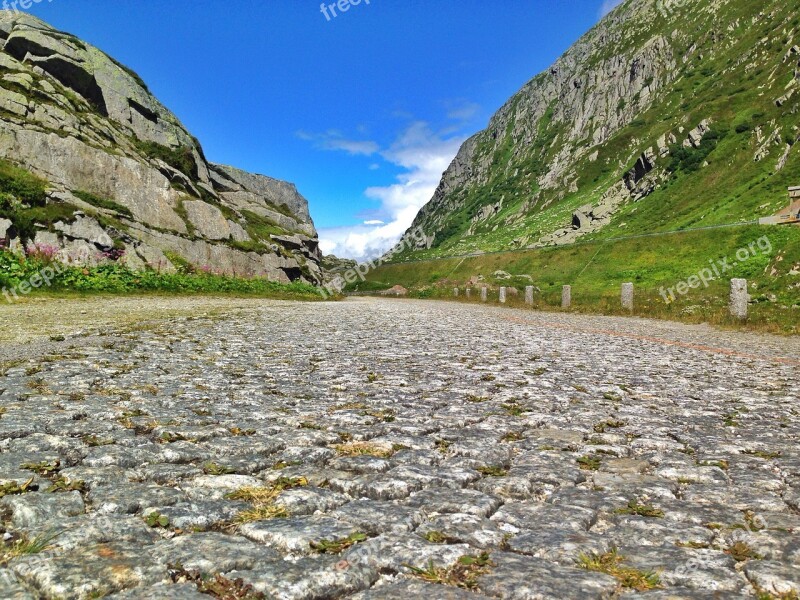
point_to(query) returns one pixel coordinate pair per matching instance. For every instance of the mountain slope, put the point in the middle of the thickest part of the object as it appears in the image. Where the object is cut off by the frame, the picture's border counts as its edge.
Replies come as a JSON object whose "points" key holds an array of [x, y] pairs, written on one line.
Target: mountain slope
{"points": [[669, 114], [120, 178]]}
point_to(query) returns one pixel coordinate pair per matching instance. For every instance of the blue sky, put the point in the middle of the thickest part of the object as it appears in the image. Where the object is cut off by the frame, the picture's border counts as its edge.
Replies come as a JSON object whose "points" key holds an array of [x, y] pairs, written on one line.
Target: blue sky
{"points": [[363, 111]]}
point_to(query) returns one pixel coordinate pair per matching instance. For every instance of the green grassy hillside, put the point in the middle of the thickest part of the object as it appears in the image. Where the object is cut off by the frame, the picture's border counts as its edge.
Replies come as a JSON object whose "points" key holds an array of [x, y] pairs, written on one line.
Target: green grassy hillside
{"points": [[596, 270], [637, 84]]}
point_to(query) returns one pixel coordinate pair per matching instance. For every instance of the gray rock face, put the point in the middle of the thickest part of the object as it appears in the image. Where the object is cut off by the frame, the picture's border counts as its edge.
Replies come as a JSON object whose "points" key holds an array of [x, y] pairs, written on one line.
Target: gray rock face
{"points": [[587, 106], [606, 107], [78, 119]]}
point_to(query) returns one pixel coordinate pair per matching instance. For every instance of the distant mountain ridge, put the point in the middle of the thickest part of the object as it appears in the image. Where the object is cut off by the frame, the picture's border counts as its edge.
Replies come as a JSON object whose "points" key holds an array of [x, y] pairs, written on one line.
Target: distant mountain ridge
{"points": [[121, 170], [669, 114]]}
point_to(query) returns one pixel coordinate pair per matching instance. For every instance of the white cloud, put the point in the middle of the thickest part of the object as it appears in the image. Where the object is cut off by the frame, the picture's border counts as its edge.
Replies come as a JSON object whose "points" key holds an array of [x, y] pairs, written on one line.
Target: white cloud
{"points": [[374, 222], [334, 140], [424, 155], [462, 110], [608, 6]]}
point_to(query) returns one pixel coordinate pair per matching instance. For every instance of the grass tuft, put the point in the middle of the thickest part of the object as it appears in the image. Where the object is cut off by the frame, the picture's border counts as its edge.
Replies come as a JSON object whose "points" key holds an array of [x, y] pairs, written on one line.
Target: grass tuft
{"points": [[642, 510], [464, 573], [339, 545], [263, 499], [611, 563], [24, 546], [364, 449]]}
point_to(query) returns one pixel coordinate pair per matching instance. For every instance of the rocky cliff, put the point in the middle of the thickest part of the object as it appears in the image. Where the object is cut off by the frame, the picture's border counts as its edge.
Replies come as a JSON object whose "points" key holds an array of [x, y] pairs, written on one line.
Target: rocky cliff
{"points": [[669, 114], [124, 178]]}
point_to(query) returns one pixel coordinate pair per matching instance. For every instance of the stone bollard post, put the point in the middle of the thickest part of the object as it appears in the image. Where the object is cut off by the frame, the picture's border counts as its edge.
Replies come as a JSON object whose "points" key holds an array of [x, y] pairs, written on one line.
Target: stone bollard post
{"points": [[502, 295], [739, 298], [468, 292], [529, 295], [484, 295], [627, 296], [455, 292], [566, 296]]}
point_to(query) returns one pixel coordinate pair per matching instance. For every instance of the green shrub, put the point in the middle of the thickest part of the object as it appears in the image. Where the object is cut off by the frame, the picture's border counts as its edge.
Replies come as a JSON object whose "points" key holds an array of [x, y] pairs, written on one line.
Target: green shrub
{"points": [[90, 198], [691, 159], [118, 279], [22, 184], [181, 158]]}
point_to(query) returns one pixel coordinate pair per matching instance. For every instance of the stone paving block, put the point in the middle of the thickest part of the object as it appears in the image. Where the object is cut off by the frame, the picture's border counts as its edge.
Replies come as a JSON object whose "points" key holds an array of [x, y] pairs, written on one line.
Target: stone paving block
{"points": [[517, 577], [525, 515], [93, 528], [318, 577], [309, 500], [560, 546], [12, 587], [360, 464], [200, 515], [212, 552], [455, 501], [410, 588], [709, 570], [376, 487], [374, 517], [31, 510], [296, 534], [773, 577], [161, 591], [93, 569], [131, 498], [459, 528], [395, 552]]}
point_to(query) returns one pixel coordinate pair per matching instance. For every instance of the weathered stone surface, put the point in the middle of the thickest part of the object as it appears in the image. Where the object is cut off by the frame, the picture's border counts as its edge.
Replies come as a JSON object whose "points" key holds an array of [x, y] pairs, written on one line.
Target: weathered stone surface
{"points": [[739, 298], [27, 511], [310, 578], [627, 296], [525, 578], [212, 552], [623, 440], [296, 535], [208, 220]]}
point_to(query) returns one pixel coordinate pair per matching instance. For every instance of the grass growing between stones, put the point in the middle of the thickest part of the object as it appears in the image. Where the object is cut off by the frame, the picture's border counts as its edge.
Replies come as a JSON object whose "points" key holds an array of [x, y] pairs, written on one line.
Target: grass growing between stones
{"points": [[24, 546], [611, 563], [61, 485], [493, 471], [212, 468], [364, 449], [641, 510], [764, 595], [604, 426], [263, 499], [437, 537], [44, 468], [339, 545], [464, 573], [762, 454], [588, 463], [740, 552], [216, 586], [14, 489]]}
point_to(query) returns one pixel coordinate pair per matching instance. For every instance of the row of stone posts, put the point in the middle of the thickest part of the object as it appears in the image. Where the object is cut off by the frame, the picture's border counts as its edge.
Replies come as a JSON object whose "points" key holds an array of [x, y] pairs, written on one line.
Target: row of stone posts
{"points": [[738, 300]]}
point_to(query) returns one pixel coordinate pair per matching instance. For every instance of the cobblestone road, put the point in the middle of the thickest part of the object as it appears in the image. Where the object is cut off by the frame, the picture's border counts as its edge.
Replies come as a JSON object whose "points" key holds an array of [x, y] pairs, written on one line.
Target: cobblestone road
{"points": [[363, 449]]}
